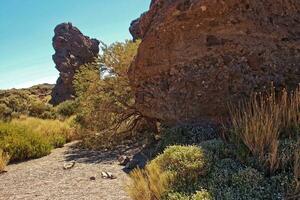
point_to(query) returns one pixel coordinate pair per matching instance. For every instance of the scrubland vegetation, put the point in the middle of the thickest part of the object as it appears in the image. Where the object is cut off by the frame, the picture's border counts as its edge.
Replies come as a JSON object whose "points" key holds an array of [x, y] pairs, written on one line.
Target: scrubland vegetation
{"points": [[101, 114], [3, 160], [107, 115], [29, 126], [28, 138], [257, 157]]}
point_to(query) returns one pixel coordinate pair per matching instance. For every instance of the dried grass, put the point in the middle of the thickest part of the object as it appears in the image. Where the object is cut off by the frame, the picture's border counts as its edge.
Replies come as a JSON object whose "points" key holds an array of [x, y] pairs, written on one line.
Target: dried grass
{"points": [[4, 159], [261, 121], [149, 183], [297, 169]]}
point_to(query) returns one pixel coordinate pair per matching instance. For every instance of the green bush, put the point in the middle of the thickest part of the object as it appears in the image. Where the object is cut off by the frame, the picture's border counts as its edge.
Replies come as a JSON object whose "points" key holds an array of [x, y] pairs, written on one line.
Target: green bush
{"points": [[199, 195], [229, 179], [286, 150], [22, 143], [202, 195], [211, 171], [56, 132], [67, 108], [5, 112], [176, 196], [188, 163], [28, 138], [186, 135], [218, 148], [30, 102]]}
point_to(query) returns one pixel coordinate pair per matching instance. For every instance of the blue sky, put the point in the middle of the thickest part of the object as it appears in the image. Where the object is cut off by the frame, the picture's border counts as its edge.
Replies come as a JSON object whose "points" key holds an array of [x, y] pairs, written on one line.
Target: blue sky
{"points": [[26, 31]]}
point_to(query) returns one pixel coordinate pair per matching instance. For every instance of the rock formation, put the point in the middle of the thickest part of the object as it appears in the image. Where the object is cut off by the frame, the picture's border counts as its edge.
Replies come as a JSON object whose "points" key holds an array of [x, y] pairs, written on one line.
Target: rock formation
{"points": [[72, 50], [198, 55]]}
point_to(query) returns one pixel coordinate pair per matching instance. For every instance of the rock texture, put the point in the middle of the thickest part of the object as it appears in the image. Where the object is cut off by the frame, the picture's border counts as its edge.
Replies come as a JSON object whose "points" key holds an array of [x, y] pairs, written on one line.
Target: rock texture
{"points": [[72, 50], [197, 55]]}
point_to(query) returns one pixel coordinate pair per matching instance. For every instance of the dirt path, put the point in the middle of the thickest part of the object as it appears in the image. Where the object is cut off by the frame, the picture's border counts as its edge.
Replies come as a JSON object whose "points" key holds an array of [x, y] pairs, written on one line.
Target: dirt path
{"points": [[45, 178]]}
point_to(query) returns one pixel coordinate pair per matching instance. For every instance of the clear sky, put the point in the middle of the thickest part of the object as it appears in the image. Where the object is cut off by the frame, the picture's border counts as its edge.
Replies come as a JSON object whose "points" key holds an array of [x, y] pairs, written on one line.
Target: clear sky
{"points": [[26, 31]]}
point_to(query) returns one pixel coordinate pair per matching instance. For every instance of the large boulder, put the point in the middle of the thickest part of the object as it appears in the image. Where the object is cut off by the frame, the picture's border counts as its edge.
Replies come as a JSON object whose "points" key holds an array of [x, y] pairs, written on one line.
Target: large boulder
{"points": [[72, 50], [196, 56]]}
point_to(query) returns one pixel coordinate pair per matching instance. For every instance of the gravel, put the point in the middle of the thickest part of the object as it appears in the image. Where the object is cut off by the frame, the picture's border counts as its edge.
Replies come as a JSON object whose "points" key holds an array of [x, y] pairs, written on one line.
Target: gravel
{"points": [[45, 178]]}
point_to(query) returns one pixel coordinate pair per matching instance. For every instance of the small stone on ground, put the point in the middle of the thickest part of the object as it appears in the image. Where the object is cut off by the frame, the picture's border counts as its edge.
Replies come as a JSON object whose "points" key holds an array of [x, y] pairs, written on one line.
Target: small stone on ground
{"points": [[46, 178]]}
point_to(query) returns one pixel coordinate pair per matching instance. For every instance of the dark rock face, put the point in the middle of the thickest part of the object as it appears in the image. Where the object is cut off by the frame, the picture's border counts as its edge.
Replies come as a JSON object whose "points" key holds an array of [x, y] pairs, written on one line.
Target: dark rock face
{"points": [[72, 49], [198, 55]]}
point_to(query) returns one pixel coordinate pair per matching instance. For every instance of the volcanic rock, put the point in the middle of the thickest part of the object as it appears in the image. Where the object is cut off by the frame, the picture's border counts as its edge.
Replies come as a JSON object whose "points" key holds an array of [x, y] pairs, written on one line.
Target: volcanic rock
{"points": [[72, 50], [196, 56], [123, 160]]}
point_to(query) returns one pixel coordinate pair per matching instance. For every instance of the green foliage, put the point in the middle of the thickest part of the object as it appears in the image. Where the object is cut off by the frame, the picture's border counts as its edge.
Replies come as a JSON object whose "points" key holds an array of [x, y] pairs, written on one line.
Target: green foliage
{"points": [[187, 134], [211, 171], [31, 138], [5, 112], [230, 180], [218, 148], [67, 108], [85, 77], [106, 101], [199, 195], [202, 195], [21, 143], [176, 196], [188, 163], [31, 102], [286, 150], [40, 109], [14, 102]]}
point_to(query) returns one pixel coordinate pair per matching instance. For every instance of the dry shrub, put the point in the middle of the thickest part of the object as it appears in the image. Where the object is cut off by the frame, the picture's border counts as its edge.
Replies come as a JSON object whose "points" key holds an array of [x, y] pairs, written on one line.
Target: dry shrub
{"points": [[29, 138], [290, 112], [57, 132], [4, 159], [149, 183], [297, 169], [257, 124], [260, 122]]}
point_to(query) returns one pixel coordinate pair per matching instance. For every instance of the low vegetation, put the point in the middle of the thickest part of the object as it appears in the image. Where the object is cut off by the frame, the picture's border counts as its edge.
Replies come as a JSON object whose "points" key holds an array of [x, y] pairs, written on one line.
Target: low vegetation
{"points": [[263, 123], [28, 138], [107, 115], [259, 159], [150, 183], [32, 102], [30, 126], [4, 158]]}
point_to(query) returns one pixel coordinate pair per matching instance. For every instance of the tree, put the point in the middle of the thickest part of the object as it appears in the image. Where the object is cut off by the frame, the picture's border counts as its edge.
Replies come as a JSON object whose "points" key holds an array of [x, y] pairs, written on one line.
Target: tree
{"points": [[105, 96]]}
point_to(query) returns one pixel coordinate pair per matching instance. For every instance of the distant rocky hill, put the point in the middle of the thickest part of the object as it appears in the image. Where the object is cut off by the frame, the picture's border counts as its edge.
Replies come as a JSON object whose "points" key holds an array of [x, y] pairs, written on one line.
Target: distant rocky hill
{"points": [[72, 50], [196, 56]]}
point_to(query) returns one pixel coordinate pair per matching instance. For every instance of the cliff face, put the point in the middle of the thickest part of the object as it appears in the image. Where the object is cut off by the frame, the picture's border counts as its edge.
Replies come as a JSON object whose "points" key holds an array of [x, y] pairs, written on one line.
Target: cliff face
{"points": [[72, 49], [197, 55]]}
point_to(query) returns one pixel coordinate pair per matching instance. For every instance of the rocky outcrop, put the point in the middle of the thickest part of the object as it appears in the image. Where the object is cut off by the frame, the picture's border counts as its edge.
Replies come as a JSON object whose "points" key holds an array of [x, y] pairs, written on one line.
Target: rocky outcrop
{"points": [[72, 50], [198, 55]]}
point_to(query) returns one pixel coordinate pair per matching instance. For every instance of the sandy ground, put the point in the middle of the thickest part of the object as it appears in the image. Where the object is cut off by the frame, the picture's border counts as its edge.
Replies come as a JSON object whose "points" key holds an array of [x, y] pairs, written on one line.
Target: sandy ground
{"points": [[45, 178]]}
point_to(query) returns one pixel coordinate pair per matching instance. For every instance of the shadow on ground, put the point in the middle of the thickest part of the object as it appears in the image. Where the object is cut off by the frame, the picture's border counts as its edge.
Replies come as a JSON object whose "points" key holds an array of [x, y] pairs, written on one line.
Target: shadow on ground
{"points": [[139, 156], [79, 155]]}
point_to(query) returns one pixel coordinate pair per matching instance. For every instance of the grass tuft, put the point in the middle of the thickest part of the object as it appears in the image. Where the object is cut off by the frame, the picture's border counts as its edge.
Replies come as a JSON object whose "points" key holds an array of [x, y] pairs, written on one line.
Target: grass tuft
{"points": [[149, 183], [4, 158], [259, 123], [28, 138]]}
